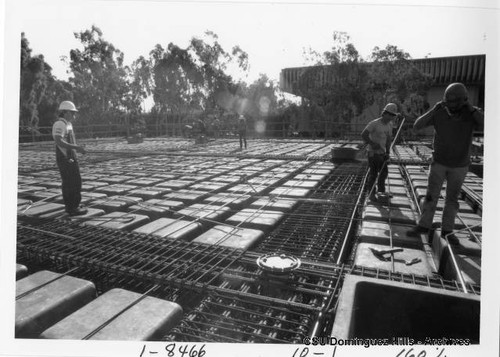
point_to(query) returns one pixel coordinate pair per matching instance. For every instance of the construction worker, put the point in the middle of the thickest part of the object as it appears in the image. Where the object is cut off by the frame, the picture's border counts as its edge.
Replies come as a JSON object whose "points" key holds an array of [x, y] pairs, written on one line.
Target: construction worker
{"points": [[242, 131], [454, 119], [66, 147], [377, 135]]}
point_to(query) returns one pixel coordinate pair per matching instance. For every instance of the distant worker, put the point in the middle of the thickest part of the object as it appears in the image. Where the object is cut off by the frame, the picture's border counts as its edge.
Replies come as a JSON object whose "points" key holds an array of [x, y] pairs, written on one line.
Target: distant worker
{"points": [[242, 131], [377, 135], [64, 137], [454, 120]]}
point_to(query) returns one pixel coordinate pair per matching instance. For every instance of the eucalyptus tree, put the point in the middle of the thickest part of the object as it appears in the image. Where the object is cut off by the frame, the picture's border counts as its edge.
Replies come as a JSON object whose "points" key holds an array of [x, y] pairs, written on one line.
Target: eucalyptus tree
{"points": [[343, 83], [99, 79]]}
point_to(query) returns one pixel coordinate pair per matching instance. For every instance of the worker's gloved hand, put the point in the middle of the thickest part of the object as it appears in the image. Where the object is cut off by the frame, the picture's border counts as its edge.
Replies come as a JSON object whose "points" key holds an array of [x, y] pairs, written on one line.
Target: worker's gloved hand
{"points": [[439, 105], [470, 107], [81, 149]]}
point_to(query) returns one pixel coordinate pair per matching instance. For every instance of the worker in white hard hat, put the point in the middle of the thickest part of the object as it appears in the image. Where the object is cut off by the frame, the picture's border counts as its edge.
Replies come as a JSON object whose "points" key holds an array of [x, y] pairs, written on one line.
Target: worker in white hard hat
{"points": [[454, 119], [66, 148], [377, 135]]}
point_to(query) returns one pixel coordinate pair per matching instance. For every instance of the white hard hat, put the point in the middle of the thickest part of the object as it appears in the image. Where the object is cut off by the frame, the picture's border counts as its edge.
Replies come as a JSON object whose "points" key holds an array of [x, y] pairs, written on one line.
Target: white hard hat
{"points": [[391, 108], [67, 105]]}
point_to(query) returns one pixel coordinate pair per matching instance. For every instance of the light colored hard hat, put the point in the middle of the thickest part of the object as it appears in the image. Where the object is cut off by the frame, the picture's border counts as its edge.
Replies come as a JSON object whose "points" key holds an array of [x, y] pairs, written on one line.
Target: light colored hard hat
{"points": [[455, 92], [67, 105], [391, 108]]}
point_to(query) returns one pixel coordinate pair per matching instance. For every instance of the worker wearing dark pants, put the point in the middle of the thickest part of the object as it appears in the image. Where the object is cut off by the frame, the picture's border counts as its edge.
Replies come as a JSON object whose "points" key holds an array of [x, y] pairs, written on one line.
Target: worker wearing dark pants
{"points": [[71, 181], [454, 120], [377, 165], [377, 135], [66, 148]]}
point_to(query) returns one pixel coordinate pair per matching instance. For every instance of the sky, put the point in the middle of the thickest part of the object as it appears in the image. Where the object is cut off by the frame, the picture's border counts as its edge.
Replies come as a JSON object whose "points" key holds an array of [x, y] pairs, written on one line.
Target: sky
{"points": [[274, 34]]}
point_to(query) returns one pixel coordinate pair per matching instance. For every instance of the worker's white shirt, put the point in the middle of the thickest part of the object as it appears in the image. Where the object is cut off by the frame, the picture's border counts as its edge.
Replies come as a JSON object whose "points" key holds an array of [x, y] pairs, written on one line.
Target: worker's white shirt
{"points": [[379, 133], [64, 129]]}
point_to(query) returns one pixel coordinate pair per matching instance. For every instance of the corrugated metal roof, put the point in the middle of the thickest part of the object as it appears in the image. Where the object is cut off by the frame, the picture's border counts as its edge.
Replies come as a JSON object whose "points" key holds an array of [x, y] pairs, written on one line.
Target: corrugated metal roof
{"points": [[444, 70]]}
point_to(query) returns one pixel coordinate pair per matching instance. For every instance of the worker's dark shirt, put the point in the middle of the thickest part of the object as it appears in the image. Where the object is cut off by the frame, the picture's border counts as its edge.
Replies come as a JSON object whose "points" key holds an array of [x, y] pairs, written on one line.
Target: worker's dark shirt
{"points": [[453, 137]]}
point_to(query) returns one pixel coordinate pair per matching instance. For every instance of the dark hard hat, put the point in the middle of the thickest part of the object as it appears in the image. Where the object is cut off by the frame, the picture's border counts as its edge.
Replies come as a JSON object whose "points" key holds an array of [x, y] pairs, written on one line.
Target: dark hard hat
{"points": [[455, 92]]}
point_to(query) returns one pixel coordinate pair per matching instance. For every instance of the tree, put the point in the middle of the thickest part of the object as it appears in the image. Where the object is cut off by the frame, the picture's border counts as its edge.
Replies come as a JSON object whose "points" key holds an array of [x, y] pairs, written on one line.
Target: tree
{"points": [[99, 79], [344, 84], [40, 92]]}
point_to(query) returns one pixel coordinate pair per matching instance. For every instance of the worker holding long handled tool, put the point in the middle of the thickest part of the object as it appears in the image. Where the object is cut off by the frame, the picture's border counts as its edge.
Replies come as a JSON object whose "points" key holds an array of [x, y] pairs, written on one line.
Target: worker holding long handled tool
{"points": [[66, 148], [377, 135]]}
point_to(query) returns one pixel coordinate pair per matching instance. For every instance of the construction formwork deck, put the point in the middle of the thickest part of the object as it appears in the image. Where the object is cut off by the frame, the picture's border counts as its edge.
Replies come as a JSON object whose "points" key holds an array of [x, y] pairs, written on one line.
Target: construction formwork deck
{"points": [[188, 224]]}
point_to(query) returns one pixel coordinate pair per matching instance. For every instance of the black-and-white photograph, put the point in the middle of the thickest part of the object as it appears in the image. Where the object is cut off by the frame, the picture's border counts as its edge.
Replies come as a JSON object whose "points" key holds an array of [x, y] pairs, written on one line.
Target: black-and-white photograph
{"points": [[267, 178]]}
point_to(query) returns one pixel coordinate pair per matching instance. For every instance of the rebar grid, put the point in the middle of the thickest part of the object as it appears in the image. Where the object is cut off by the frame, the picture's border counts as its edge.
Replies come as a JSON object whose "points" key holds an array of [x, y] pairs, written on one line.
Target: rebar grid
{"points": [[225, 318], [316, 229]]}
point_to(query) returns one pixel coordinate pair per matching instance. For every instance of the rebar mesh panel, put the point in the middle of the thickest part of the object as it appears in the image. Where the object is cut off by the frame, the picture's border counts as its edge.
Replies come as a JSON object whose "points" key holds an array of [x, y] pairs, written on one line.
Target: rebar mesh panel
{"points": [[317, 228], [161, 261], [221, 318]]}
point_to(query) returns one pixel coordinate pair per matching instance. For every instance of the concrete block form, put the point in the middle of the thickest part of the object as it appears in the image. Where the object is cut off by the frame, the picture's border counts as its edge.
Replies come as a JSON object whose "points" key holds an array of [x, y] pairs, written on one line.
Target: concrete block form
{"points": [[148, 193], [127, 316], [156, 208], [470, 267], [116, 203], [399, 215], [395, 201], [27, 191], [231, 237], [365, 257], [186, 196], [119, 221], [149, 181], [91, 212], [40, 209], [171, 228], [175, 184], [290, 192], [274, 204], [381, 233], [230, 199], [116, 189], [247, 188], [308, 184], [226, 179], [204, 212], [259, 219], [44, 298], [210, 186], [463, 220], [115, 179], [21, 271], [396, 190]]}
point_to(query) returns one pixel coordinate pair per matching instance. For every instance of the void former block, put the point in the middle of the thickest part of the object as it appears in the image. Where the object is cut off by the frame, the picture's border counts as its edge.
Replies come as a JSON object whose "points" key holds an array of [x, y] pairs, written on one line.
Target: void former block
{"points": [[91, 212], [229, 199], [290, 192], [400, 215], [118, 220], [37, 210], [21, 271], [231, 237], [44, 298], [375, 308], [171, 228], [127, 316], [256, 219], [366, 257], [204, 212], [383, 233], [275, 204]]}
